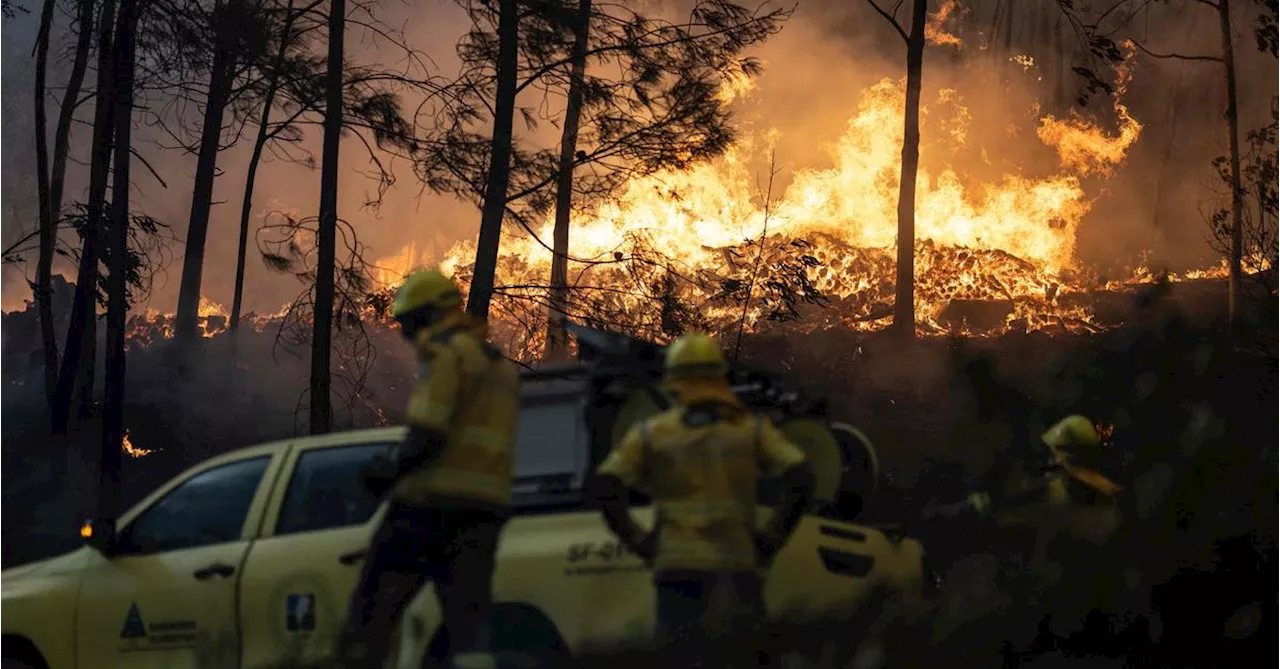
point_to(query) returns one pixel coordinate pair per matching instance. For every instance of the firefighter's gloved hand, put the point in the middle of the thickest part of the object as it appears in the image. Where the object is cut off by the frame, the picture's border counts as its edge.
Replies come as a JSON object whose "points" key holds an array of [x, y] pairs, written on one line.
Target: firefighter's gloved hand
{"points": [[380, 475]]}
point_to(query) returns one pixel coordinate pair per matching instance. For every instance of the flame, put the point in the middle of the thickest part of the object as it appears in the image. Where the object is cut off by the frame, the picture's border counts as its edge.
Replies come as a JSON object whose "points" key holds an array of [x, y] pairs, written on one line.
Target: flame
{"points": [[153, 325], [134, 451], [1086, 148], [934, 33], [1012, 240], [734, 84]]}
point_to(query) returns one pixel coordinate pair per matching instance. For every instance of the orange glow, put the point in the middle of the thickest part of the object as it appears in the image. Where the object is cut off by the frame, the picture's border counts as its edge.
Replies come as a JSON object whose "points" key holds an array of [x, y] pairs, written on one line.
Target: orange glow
{"points": [[934, 30]]}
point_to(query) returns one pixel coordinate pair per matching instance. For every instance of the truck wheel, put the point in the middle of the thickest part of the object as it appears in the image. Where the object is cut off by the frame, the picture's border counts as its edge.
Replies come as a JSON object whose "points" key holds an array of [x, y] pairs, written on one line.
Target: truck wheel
{"points": [[861, 462], [821, 448]]}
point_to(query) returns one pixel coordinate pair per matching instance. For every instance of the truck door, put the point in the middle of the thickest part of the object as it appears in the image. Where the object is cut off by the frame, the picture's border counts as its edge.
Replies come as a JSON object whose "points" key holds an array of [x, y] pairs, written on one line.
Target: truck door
{"points": [[299, 576], [166, 596]]}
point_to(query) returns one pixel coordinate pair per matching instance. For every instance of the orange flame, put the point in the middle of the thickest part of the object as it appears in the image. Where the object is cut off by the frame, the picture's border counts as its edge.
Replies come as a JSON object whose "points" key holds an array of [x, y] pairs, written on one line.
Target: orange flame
{"points": [[134, 451], [1086, 148], [935, 33]]}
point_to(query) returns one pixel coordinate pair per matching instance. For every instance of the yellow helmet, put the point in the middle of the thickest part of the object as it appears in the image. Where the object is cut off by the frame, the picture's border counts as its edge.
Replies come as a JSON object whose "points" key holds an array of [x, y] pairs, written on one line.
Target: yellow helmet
{"points": [[694, 354], [425, 289], [1074, 438]]}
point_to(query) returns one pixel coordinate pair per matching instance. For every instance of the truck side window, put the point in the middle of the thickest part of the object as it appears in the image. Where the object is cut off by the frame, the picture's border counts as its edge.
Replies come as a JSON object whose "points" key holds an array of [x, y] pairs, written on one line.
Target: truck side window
{"points": [[327, 491], [207, 509]]}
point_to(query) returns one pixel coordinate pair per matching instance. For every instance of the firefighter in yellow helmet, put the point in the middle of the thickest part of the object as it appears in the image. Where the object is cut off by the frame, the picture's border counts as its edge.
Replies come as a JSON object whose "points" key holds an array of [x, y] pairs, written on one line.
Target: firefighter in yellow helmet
{"points": [[1069, 507], [1072, 479], [701, 461], [449, 482]]}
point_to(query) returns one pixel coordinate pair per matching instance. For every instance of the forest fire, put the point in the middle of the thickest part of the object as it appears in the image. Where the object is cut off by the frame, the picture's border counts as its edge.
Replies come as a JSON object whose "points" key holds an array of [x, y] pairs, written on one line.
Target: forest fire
{"points": [[704, 239], [1010, 241]]}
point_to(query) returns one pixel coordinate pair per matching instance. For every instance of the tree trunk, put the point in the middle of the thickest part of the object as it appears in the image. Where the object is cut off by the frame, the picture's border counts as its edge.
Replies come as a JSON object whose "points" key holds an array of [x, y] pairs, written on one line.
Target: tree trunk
{"points": [[48, 219], [1156, 227], [495, 195], [118, 246], [1234, 276], [51, 203], [1060, 97], [904, 293], [557, 337], [260, 143], [321, 408], [70, 100], [206, 167], [75, 378]]}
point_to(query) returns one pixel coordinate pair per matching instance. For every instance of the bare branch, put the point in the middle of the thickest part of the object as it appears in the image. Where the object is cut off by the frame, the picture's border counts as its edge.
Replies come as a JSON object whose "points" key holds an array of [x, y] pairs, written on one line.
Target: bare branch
{"points": [[890, 18]]}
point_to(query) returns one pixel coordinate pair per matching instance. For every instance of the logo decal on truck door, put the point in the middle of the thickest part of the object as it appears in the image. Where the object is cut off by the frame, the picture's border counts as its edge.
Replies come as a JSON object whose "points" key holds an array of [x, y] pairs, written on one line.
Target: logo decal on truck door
{"points": [[134, 628], [300, 612]]}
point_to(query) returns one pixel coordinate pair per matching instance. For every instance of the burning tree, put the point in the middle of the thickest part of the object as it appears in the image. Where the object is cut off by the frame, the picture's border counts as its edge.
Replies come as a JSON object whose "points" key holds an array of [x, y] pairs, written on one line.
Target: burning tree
{"points": [[1259, 233], [647, 94]]}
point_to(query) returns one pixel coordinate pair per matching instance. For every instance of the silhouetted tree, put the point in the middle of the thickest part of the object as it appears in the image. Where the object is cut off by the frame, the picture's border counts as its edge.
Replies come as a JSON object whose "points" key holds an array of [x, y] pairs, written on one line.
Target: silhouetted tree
{"points": [[117, 256], [51, 212], [904, 320], [75, 377], [321, 407]]}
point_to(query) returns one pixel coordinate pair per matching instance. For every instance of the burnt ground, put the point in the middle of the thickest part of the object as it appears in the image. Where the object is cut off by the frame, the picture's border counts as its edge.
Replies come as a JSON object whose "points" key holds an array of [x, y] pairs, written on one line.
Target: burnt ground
{"points": [[1186, 582]]}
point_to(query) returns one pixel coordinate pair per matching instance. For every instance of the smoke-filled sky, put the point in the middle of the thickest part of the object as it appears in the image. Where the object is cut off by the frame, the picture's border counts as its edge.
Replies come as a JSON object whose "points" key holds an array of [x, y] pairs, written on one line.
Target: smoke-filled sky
{"points": [[815, 72]]}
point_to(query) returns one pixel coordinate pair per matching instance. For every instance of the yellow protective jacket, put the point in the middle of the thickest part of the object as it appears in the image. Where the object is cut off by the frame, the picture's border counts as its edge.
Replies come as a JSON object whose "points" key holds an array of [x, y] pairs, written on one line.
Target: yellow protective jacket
{"points": [[702, 478], [469, 394]]}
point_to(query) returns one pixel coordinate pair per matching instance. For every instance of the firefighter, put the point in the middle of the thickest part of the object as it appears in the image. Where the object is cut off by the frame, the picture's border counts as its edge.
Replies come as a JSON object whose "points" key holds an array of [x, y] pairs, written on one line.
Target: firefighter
{"points": [[701, 461], [449, 482], [1067, 512], [1071, 480]]}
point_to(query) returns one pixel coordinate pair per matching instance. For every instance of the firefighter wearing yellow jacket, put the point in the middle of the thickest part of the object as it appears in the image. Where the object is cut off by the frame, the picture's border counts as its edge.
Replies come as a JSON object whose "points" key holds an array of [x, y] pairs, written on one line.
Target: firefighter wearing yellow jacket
{"points": [[449, 482], [701, 462], [1072, 486]]}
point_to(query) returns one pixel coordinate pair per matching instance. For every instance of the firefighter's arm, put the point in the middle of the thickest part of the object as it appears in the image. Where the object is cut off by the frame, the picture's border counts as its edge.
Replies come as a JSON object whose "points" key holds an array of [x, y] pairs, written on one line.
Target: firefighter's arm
{"points": [[431, 407], [782, 460], [620, 472], [978, 503]]}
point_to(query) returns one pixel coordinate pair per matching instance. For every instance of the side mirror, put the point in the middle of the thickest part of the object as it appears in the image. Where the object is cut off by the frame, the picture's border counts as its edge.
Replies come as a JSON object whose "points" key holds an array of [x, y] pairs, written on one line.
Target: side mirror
{"points": [[100, 534]]}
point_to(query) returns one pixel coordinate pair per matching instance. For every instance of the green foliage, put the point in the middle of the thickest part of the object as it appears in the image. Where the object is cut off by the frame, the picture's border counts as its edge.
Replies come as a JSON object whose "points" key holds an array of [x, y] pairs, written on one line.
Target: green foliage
{"points": [[651, 97], [144, 259]]}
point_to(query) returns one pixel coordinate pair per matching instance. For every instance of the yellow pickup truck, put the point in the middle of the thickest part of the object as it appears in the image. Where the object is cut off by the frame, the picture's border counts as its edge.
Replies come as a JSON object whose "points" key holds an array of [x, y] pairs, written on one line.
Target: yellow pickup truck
{"points": [[247, 560]]}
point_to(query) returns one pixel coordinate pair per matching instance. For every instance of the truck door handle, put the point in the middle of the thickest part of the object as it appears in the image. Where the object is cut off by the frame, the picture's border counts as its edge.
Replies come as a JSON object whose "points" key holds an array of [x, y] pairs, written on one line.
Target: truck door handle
{"points": [[215, 569], [352, 557]]}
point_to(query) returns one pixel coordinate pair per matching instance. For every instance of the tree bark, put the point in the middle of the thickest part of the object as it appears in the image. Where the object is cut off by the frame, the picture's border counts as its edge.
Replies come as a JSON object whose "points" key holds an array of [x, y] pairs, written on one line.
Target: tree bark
{"points": [[904, 292], [260, 143], [206, 167], [51, 200], [70, 100], [48, 222], [118, 246], [557, 338], [75, 378], [1235, 275], [1060, 97], [321, 407], [495, 196], [1156, 227]]}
